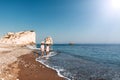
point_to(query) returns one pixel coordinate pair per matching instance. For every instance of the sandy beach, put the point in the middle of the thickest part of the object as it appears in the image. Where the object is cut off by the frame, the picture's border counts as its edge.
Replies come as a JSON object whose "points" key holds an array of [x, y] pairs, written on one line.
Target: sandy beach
{"points": [[18, 63]]}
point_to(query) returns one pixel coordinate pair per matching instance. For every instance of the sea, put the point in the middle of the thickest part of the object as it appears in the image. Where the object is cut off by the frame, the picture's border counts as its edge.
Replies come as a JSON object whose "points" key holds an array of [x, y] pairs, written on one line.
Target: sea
{"points": [[85, 61]]}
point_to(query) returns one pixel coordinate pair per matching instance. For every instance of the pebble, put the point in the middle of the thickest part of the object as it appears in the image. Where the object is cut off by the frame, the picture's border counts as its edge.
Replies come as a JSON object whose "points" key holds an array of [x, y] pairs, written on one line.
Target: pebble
{"points": [[10, 75], [43, 67], [2, 79]]}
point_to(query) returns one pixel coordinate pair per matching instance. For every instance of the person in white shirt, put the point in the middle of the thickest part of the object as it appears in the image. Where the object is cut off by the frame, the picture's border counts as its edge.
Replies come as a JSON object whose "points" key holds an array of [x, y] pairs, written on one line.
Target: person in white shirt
{"points": [[42, 48], [47, 49]]}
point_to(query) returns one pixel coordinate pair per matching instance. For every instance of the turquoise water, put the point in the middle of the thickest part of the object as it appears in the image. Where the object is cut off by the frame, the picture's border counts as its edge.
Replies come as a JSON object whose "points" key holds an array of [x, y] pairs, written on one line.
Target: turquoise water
{"points": [[87, 61]]}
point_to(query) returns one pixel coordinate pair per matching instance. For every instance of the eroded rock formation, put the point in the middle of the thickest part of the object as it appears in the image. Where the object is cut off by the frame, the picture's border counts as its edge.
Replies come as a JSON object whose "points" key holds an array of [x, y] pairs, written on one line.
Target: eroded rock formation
{"points": [[49, 40], [19, 38]]}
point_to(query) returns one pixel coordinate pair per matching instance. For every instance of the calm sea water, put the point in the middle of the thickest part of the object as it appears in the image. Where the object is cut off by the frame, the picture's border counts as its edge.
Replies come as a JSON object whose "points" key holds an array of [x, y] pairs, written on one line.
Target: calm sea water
{"points": [[87, 61]]}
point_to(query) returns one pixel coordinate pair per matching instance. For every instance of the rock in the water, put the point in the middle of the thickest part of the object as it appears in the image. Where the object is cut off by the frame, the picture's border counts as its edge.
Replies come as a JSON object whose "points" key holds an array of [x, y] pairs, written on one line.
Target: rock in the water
{"points": [[49, 40], [19, 38]]}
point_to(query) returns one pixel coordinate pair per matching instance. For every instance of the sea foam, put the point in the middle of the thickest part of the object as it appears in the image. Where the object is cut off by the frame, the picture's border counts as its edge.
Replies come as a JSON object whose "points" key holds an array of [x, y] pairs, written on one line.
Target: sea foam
{"points": [[57, 70], [43, 61]]}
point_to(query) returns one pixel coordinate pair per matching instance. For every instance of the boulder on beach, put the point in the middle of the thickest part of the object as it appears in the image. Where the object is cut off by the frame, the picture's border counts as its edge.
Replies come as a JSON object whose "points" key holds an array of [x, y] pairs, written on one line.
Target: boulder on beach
{"points": [[19, 38]]}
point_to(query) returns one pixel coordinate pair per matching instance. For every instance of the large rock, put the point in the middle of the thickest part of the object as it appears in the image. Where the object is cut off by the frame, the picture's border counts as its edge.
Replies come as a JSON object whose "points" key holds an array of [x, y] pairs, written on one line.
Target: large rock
{"points": [[19, 38], [49, 40]]}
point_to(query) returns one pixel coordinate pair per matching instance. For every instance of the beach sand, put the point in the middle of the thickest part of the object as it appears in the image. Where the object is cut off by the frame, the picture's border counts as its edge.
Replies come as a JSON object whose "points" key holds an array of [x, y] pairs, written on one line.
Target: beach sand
{"points": [[19, 64], [32, 70]]}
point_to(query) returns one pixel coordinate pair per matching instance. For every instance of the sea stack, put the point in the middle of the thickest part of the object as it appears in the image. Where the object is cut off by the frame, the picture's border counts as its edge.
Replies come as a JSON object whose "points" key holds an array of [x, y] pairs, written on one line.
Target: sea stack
{"points": [[49, 40], [19, 38]]}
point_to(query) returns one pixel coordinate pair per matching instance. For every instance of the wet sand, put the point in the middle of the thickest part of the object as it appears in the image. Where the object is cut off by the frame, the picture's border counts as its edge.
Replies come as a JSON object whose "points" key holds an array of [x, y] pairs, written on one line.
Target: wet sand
{"points": [[18, 63], [32, 70]]}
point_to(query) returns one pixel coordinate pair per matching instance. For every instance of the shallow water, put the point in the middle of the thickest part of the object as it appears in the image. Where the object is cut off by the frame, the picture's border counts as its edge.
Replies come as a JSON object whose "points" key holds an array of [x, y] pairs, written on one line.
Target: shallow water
{"points": [[87, 61]]}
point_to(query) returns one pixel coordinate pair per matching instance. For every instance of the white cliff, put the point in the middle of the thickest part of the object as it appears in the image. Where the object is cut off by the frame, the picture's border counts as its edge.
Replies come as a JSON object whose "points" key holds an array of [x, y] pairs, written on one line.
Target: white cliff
{"points": [[19, 38]]}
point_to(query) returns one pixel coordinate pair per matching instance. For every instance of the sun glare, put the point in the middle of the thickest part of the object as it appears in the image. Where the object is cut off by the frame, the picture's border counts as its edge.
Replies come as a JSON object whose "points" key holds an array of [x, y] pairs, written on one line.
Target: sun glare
{"points": [[116, 4]]}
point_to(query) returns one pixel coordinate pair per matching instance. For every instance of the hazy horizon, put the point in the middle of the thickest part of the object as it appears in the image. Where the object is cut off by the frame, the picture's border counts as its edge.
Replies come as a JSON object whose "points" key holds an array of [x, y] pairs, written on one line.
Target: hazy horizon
{"points": [[78, 21]]}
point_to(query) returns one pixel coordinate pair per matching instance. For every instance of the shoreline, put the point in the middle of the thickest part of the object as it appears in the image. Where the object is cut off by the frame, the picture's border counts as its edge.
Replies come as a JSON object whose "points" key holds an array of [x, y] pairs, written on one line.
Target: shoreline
{"points": [[21, 65], [58, 72], [36, 70]]}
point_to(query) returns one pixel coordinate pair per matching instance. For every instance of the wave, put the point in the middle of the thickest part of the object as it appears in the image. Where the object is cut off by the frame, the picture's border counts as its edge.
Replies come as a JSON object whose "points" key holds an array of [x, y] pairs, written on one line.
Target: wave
{"points": [[58, 70], [43, 61]]}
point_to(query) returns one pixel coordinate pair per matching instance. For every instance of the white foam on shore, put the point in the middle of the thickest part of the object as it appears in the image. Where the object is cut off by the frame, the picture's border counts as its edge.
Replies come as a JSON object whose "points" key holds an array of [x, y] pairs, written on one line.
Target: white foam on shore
{"points": [[42, 62], [58, 70]]}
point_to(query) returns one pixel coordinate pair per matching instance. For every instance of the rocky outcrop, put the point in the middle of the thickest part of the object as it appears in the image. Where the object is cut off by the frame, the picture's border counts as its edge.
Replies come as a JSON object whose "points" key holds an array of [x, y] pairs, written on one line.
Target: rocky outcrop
{"points": [[49, 40], [19, 38]]}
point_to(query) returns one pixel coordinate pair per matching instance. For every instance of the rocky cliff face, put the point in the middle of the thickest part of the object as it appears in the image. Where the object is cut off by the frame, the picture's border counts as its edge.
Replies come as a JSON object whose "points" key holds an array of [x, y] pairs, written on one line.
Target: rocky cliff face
{"points": [[19, 38]]}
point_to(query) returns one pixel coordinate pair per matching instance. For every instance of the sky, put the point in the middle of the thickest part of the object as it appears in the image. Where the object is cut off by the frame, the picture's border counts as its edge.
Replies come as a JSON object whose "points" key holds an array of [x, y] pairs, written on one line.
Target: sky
{"points": [[78, 21]]}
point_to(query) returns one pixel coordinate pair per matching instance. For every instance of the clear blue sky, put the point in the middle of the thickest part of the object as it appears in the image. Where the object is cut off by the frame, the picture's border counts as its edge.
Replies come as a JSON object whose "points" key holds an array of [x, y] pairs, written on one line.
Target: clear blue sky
{"points": [[79, 21]]}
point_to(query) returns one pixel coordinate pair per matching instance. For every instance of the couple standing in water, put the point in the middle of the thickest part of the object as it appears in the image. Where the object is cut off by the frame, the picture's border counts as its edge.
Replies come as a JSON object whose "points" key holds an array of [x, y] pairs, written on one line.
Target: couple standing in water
{"points": [[44, 48]]}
